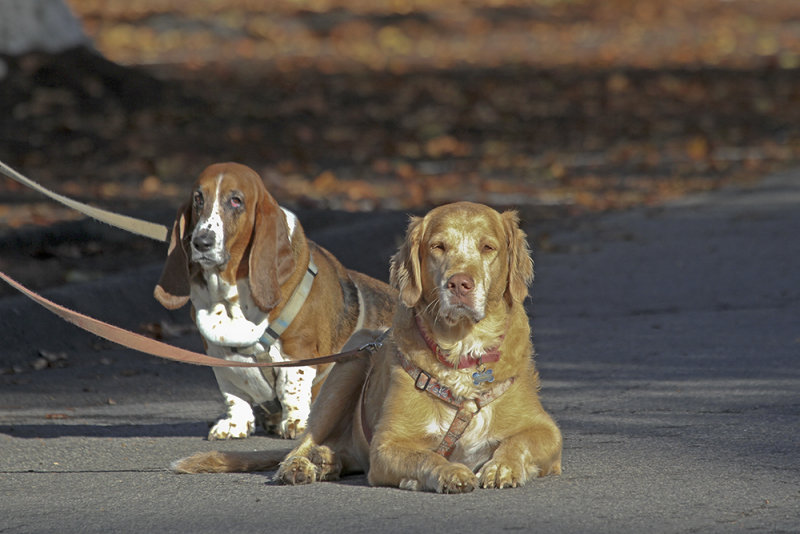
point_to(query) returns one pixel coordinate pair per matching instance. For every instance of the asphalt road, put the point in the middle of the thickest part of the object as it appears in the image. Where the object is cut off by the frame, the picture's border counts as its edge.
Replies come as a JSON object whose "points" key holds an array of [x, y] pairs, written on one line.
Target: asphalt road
{"points": [[668, 342]]}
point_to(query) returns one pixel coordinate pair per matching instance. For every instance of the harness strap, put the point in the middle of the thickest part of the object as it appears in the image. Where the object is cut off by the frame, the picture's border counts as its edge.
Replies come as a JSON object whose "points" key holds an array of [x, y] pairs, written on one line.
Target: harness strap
{"points": [[425, 382], [292, 307], [465, 408], [457, 428], [319, 377], [279, 325]]}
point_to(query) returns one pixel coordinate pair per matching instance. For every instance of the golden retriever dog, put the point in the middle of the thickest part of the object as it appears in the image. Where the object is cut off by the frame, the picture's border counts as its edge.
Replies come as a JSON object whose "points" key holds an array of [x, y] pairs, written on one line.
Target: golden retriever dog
{"points": [[450, 400]]}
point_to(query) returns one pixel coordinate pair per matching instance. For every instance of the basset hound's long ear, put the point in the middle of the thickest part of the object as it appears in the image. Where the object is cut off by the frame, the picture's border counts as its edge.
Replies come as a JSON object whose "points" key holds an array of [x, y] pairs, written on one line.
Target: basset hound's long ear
{"points": [[271, 260], [172, 290], [520, 264], [405, 273]]}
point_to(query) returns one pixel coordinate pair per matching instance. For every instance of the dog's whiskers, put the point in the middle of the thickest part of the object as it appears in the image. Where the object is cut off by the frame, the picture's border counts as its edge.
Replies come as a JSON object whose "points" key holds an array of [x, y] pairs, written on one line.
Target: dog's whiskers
{"points": [[431, 306]]}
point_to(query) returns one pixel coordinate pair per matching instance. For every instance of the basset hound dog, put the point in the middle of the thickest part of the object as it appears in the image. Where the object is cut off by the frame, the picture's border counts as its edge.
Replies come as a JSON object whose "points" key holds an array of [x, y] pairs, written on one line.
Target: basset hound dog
{"points": [[260, 290], [450, 402]]}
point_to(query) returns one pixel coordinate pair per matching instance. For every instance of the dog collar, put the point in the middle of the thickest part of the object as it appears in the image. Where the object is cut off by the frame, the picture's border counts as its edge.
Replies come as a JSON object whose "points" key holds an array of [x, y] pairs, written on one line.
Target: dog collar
{"points": [[467, 360], [292, 307]]}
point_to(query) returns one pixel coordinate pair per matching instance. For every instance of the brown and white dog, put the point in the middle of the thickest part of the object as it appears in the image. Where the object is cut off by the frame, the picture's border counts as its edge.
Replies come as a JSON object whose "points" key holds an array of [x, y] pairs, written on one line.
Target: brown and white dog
{"points": [[450, 402], [239, 257]]}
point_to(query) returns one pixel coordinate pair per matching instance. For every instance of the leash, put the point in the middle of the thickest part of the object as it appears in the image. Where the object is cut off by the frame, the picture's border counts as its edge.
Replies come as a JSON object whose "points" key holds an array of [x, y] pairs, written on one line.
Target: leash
{"points": [[153, 347], [140, 227]]}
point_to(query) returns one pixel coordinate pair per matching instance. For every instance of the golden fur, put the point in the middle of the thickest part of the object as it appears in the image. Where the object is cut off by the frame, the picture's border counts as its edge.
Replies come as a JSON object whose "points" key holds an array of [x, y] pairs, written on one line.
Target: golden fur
{"points": [[464, 269]]}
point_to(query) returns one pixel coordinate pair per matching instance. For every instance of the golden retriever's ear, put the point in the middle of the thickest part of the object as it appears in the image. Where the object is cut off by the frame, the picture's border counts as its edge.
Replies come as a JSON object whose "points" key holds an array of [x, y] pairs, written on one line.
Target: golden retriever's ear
{"points": [[172, 290], [520, 264], [405, 272], [271, 259]]}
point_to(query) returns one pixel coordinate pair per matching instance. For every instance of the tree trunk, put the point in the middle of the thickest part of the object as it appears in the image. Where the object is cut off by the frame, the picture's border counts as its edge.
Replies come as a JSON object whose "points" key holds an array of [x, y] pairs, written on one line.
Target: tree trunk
{"points": [[38, 25]]}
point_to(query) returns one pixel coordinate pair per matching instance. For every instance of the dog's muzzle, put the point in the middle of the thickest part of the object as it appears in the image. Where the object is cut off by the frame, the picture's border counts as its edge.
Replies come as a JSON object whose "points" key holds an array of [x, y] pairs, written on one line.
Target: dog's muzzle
{"points": [[461, 299], [205, 250]]}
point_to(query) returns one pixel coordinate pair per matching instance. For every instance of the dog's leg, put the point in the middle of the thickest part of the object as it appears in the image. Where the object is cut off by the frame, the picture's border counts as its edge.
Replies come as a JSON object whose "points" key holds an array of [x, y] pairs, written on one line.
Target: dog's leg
{"points": [[329, 447], [238, 421], [293, 386], [532, 453], [409, 466], [309, 462]]}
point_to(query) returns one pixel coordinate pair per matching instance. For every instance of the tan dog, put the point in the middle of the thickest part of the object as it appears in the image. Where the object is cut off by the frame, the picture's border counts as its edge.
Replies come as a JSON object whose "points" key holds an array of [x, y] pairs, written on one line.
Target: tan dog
{"points": [[450, 401], [261, 290]]}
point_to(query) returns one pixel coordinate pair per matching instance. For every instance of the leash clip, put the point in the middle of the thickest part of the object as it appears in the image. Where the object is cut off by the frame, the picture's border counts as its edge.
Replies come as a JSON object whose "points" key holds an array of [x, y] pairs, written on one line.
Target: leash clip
{"points": [[372, 346]]}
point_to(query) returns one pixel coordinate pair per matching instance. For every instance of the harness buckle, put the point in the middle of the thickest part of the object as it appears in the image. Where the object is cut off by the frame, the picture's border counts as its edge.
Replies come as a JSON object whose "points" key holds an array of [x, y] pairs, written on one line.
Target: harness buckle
{"points": [[417, 381]]}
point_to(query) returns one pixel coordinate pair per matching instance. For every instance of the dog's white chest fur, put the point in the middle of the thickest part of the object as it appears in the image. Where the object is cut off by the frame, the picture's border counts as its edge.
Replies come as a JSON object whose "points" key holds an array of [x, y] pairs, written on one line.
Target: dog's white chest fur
{"points": [[476, 445], [232, 325], [226, 314]]}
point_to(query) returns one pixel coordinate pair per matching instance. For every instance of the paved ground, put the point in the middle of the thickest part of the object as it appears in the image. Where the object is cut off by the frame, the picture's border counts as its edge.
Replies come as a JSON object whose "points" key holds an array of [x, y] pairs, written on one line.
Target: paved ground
{"points": [[668, 342]]}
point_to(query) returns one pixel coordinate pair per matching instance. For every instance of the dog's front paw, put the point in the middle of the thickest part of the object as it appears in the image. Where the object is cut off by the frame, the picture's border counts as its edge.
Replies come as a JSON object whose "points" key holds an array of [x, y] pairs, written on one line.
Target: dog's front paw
{"points": [[455, 478], [296, 470], [230, 428], [291, 428], [495, 474]]}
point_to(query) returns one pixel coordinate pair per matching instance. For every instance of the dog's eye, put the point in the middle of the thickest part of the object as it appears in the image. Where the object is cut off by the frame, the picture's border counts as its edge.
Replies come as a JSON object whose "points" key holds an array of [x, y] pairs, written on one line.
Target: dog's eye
{"points": [[488, 248], [438, 246], [236, 201], [198, 199]]}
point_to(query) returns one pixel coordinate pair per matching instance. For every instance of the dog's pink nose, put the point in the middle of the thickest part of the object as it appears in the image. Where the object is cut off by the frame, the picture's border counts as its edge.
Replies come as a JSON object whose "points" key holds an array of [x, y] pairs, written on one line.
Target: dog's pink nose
{"points": [[461, 284]]}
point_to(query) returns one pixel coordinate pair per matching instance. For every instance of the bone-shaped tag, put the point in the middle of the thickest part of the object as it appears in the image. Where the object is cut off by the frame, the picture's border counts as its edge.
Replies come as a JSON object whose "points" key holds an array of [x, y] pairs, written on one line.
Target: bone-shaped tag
{"points": [[485, 375]]}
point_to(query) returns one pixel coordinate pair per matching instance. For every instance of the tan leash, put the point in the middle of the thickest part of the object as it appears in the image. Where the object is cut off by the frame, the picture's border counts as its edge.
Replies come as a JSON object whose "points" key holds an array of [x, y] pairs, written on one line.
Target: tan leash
{"points": [[159, 232], [147, 345]]}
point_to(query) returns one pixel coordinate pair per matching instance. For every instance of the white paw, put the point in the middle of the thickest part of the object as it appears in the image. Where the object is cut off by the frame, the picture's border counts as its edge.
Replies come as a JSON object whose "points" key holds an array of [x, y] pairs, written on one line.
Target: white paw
{"points": [[291, 428], [232, 428]]}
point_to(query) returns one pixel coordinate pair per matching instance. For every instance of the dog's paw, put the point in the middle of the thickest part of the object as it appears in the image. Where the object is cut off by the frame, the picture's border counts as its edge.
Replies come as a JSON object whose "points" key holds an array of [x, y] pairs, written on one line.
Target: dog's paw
{"points": [[499, 475], [455, 478], [232, 429], [296, 470], [411, 484], [291, 428]]}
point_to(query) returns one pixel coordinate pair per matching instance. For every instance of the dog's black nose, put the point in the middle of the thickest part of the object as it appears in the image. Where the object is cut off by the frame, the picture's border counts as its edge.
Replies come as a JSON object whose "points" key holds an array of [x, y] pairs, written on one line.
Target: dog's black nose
{"points": [[203, 241]]}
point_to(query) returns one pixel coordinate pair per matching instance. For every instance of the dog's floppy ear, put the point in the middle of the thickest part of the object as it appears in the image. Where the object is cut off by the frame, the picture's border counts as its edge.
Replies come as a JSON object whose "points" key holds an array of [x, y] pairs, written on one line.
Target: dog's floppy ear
{"points": [[172, 290], [271, 258], [520, 264], [405, 271]]}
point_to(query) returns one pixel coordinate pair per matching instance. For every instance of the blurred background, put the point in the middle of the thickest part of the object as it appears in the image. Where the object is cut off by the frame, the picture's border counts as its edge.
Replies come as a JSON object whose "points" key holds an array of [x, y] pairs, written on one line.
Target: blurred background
{"points": [[557, 107]]}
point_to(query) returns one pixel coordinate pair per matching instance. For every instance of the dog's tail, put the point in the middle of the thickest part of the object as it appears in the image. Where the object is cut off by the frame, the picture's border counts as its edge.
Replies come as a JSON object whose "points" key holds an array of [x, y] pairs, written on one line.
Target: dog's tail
{"points": [[228, 462]]}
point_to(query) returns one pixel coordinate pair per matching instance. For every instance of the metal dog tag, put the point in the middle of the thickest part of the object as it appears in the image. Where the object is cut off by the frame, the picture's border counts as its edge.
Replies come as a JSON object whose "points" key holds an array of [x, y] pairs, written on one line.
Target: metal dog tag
{"points": [[482, 375]]}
